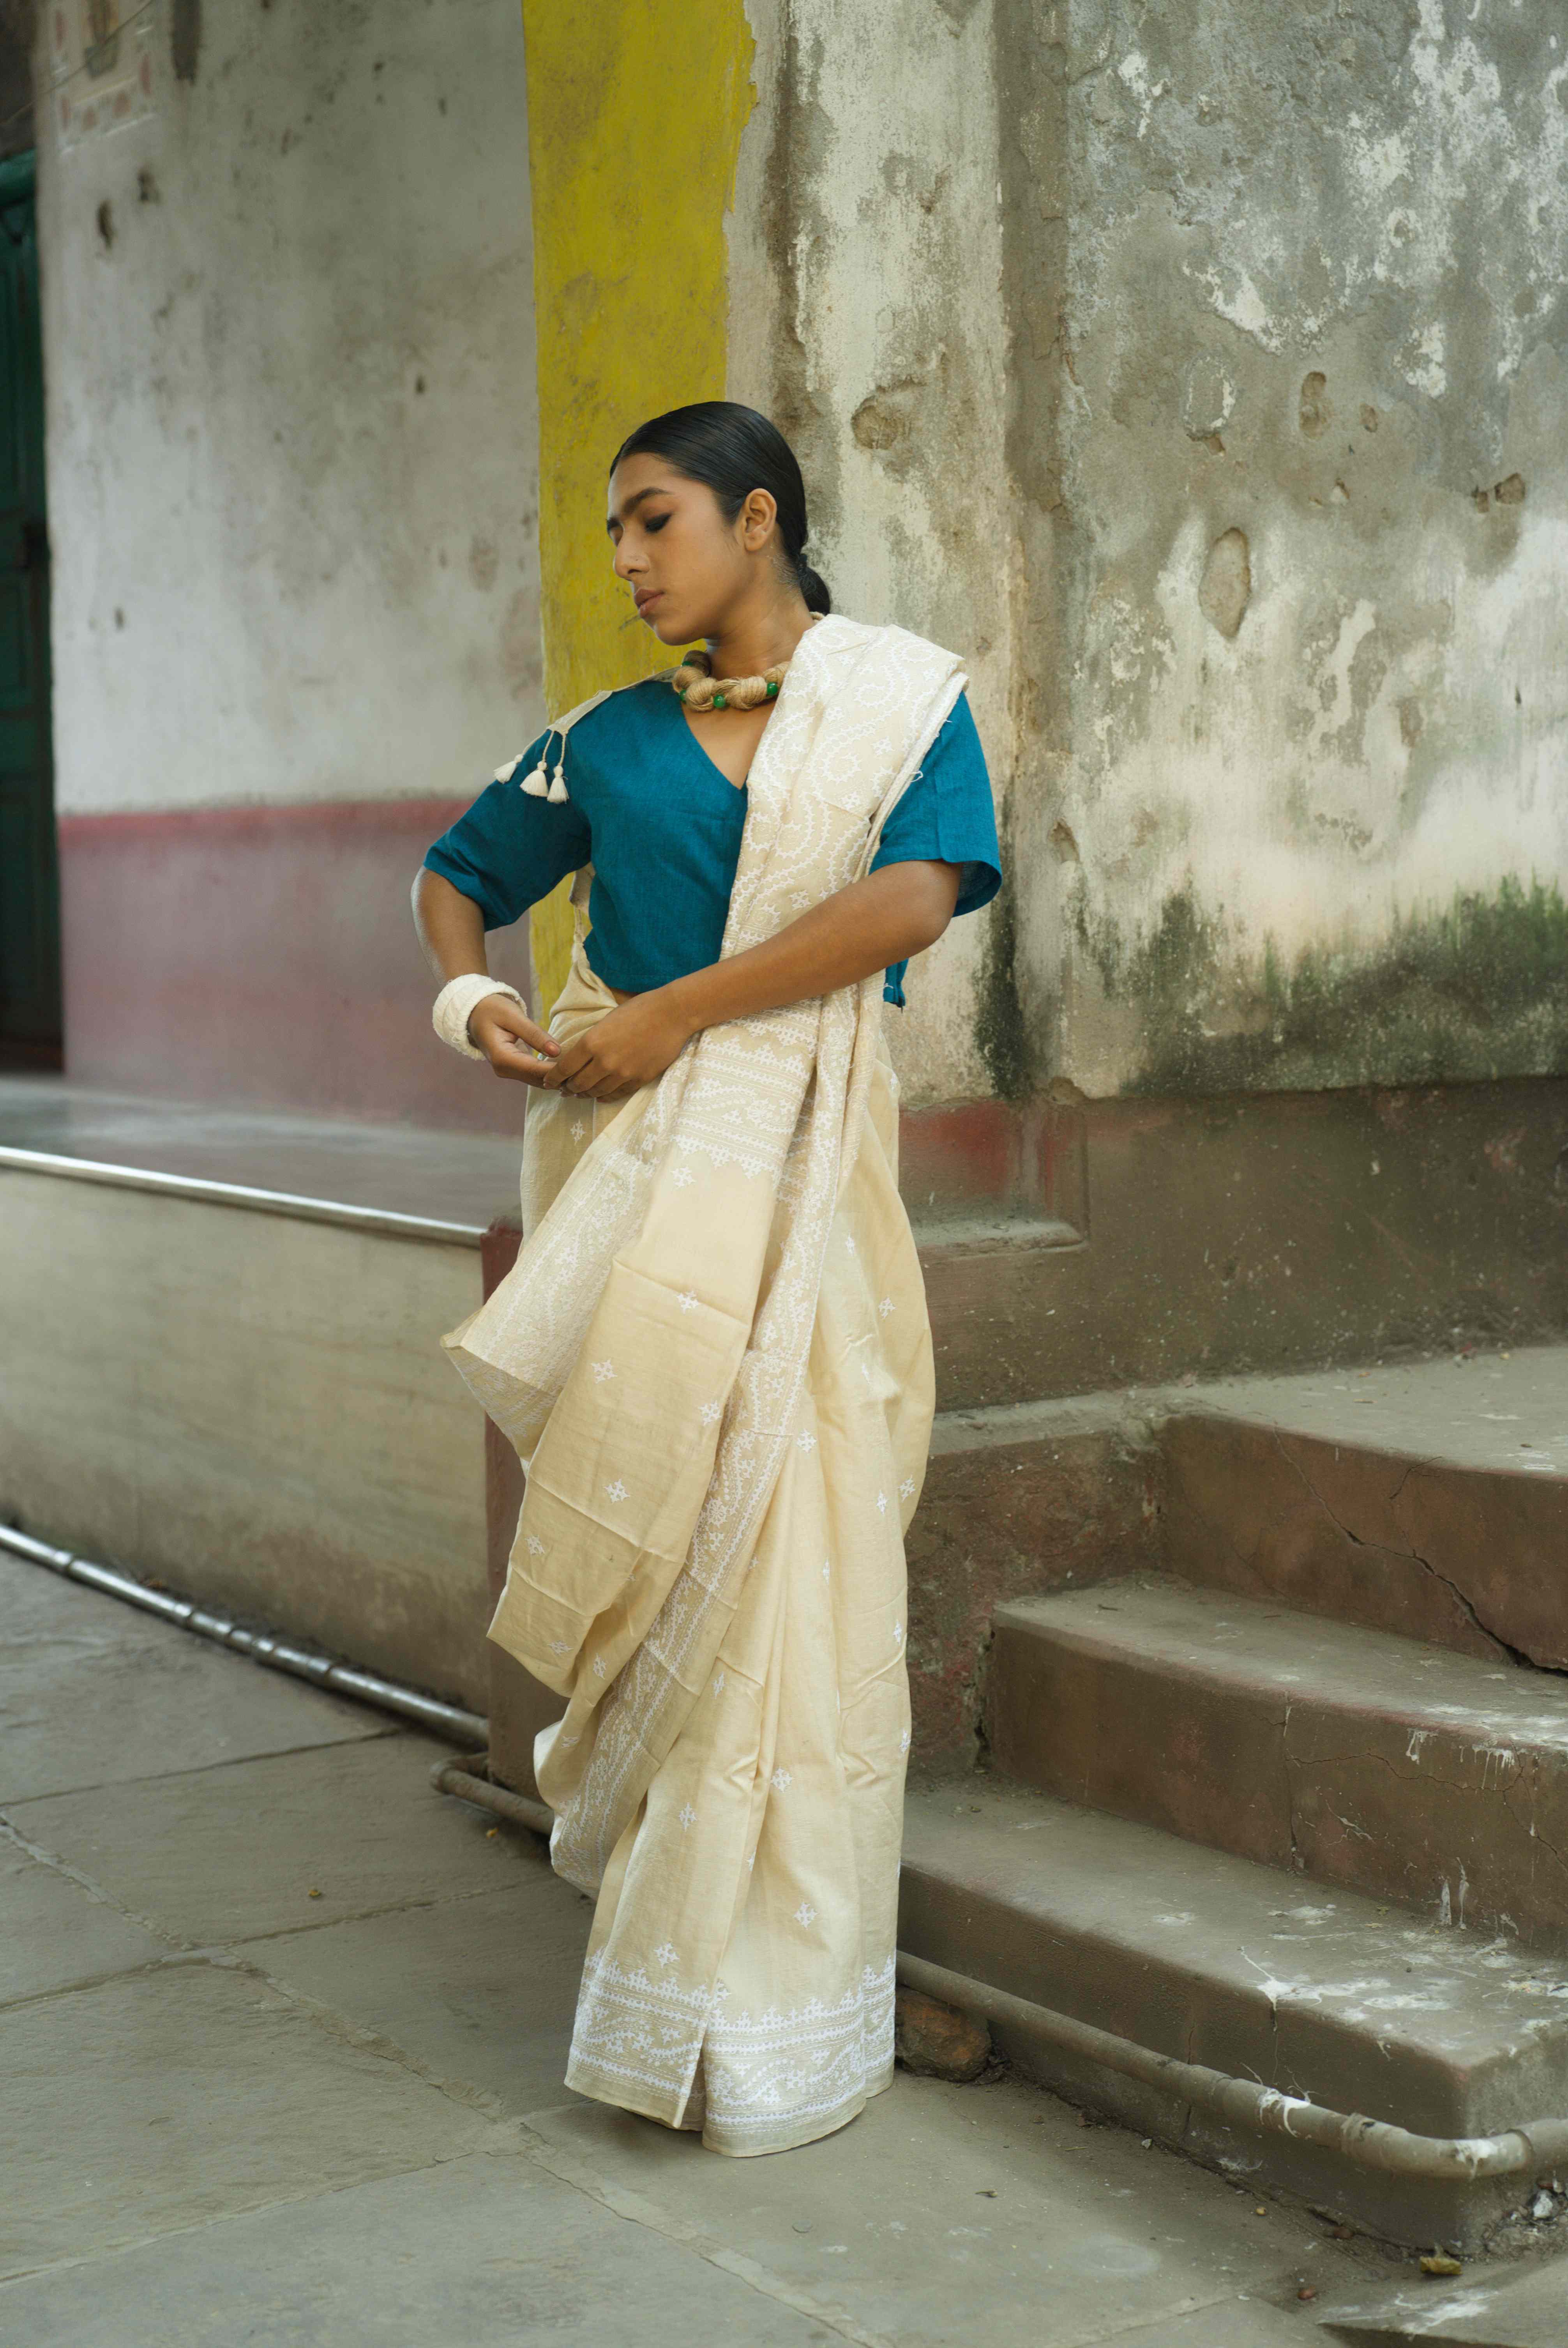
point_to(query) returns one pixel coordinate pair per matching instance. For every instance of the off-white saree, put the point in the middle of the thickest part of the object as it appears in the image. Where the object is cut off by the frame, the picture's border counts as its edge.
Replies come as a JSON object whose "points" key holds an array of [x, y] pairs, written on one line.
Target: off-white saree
{"points": [[713, 1358]]}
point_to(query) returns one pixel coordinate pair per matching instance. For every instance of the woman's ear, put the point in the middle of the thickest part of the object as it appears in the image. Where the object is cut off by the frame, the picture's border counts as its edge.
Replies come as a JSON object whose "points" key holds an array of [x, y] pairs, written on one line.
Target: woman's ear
{"points": [[757, 518]]}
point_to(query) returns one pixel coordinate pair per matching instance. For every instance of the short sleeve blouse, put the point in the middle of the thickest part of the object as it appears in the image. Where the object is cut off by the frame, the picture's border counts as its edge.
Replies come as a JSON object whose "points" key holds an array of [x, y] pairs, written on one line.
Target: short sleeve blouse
{"points": [[661, 824]]}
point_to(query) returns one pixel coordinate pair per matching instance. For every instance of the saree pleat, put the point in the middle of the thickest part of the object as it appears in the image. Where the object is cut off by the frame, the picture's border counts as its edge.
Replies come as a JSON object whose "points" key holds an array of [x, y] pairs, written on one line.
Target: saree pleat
{"points": [[714, 1360]]}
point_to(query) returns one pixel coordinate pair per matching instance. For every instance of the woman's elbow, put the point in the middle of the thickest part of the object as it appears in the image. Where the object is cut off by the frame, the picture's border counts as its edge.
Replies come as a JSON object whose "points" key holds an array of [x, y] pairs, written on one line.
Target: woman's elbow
{"points": [[935, 902]]}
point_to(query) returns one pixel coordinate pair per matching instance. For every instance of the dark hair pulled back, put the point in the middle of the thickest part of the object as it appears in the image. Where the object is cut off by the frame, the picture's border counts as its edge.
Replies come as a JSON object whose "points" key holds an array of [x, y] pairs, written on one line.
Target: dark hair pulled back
{"points": [[734, 450]]}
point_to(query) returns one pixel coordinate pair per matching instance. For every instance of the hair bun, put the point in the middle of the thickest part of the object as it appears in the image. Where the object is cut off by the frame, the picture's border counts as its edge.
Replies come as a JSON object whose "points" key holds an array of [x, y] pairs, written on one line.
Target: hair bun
{"points": [[813, 587]]}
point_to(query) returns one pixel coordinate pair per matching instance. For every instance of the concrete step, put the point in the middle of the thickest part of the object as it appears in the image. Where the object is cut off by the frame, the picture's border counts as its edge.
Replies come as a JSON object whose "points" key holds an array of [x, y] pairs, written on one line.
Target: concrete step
{"points": [[1521, 2308], [1429, 1499], [1251, 1970], [1360, 1759], [1017, 1501]]}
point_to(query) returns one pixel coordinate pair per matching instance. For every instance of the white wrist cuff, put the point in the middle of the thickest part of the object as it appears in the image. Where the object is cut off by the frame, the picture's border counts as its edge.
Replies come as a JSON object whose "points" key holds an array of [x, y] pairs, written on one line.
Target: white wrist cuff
{"points": [[455, 1004]]}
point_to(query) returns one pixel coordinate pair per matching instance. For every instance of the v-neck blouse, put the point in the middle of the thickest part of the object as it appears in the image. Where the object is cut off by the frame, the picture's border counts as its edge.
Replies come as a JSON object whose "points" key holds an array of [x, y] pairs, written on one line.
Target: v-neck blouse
{"points": [[661, 824]]}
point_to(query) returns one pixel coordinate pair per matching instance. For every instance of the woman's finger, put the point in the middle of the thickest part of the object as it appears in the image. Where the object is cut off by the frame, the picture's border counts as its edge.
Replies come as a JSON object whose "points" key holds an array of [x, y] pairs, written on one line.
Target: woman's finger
{"points": [[568, 1066], [519, 1067], [512, 1020]]}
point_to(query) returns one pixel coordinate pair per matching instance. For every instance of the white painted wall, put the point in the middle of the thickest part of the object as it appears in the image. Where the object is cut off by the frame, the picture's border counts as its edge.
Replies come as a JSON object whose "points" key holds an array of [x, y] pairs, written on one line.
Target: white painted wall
{"points": [[292, 415]]}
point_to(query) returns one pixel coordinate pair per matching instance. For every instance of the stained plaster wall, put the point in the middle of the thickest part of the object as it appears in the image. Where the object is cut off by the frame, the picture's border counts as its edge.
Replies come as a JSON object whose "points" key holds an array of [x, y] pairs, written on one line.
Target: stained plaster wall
{"points": [[1204, 375], [1313, 824], [865, 316], [291, 416]]}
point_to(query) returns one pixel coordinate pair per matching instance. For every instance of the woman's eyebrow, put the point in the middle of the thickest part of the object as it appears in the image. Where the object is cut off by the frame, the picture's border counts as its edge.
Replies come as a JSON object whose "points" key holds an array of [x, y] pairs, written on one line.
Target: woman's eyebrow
{"points": [[619, 513]]}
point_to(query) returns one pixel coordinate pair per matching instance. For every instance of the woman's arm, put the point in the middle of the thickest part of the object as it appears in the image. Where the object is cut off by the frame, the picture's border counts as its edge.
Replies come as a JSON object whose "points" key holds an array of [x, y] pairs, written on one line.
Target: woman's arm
{"points": [[451, 929], [895, 912]]}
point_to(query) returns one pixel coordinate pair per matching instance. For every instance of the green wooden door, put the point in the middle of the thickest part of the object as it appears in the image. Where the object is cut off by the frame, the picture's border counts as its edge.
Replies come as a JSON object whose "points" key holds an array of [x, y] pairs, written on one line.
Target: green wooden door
{"points": [[29, 879]]}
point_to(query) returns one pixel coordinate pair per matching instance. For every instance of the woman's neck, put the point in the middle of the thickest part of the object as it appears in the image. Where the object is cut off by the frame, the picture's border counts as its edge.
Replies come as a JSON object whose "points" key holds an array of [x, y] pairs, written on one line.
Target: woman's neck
{"points": [[755, 642]]}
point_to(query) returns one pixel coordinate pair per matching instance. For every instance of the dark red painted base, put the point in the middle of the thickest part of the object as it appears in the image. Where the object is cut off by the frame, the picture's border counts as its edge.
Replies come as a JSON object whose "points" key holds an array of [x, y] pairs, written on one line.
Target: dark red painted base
{"points": [[266, 955]]}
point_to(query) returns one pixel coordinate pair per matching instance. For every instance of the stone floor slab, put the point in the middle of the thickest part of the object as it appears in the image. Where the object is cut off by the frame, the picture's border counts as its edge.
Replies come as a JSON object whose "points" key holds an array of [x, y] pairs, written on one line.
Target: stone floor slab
{"points": [[487, 2252], [58, 1934], [948, 2215], [483, 1990], [227, 1854], [140, 2107], [93, 1692]]}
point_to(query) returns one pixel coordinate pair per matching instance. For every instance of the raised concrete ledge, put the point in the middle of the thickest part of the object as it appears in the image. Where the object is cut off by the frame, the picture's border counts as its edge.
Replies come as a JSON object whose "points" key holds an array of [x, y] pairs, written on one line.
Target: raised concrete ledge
{"points": [[237, 1194], [249, 1403], [270, 1160]]}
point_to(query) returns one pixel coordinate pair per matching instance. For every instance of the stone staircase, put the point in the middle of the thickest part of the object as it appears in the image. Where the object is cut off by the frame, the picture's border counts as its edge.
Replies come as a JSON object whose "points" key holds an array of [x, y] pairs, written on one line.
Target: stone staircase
{"points": [[1289, 1798]]}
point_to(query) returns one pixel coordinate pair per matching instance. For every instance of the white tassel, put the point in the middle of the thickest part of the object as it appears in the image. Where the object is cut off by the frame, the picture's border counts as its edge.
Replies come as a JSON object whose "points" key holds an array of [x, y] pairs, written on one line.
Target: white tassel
{"points": [[534, 783], [504, 774], [558, 785]]}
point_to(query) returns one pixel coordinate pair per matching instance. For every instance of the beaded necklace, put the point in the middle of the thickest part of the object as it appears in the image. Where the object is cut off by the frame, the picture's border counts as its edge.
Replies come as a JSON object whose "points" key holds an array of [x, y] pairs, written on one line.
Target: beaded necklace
{"points": [[696, 687]]}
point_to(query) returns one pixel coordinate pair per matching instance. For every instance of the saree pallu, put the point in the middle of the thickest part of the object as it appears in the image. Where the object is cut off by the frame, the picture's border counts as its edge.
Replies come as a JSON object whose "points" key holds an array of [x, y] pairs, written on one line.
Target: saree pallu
{"points": [[714, 1360]]}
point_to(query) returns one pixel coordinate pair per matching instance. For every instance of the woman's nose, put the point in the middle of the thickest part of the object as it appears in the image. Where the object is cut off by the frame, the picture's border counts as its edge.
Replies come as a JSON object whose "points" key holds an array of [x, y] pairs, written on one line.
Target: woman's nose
{"points": [[627, 561]]}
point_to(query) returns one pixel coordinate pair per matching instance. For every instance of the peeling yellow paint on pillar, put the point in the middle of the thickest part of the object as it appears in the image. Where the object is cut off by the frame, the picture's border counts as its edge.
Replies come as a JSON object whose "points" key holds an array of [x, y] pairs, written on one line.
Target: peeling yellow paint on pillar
{"points": [[635, 116]]}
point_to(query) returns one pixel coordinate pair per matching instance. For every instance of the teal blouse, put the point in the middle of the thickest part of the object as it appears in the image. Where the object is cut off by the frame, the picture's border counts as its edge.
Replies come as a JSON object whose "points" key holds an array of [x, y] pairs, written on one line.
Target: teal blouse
{"points": [[661, 825]]}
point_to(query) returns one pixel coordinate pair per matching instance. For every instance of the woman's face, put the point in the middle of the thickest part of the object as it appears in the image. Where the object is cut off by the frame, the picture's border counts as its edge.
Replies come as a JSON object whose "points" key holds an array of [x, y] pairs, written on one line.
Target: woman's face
{"points": [[686, 565]]}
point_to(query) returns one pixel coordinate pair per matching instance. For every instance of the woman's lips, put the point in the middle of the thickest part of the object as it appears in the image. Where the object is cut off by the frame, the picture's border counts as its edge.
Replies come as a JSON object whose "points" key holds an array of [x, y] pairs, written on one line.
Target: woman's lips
{"points": [[645, 602]]}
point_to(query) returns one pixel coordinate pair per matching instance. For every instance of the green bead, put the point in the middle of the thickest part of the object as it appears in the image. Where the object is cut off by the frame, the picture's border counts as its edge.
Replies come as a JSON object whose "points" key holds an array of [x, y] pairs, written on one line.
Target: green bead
{"points": [[718, 702], [773, 686]]}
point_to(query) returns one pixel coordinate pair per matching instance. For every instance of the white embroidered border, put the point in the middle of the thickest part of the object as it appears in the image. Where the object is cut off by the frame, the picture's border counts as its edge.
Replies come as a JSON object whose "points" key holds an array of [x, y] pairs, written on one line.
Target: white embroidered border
{"points": [[775, 2075], [783, 2075]]}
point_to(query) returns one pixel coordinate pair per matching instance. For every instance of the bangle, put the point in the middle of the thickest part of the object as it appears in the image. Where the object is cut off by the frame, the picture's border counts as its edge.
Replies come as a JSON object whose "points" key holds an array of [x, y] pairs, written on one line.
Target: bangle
{"points": [[455, 1005]]}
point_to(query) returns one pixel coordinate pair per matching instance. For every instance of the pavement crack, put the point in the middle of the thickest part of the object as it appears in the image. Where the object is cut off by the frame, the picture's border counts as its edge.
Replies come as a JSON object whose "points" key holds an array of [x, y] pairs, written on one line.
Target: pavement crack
{"points": [[13, 1834], [107, 1786], [1504, 1646], [332, 2024], [1297, 1866], [570, 2169]]}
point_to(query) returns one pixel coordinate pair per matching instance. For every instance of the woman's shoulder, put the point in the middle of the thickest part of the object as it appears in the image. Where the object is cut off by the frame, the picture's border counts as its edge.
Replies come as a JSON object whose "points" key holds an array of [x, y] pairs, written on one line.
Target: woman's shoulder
{"points": [[619, 710], [598, 727], [837, 633]]}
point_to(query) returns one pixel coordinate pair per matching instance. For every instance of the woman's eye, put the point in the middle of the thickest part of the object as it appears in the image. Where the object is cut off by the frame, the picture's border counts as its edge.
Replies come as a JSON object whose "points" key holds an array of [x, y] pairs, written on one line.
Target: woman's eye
{"points": [[657, 523]]}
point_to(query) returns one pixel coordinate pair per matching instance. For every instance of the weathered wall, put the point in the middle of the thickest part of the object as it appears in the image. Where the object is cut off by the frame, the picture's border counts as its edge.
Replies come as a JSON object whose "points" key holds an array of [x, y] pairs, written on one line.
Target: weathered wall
{"points": [[865, 317], [293, 501], [1311, 414], [1204, 375], [291, 415]]}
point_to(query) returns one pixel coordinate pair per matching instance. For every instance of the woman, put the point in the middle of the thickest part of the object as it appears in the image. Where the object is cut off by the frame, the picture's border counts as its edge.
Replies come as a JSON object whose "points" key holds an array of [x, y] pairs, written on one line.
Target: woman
{"points": [[712, 1355]]}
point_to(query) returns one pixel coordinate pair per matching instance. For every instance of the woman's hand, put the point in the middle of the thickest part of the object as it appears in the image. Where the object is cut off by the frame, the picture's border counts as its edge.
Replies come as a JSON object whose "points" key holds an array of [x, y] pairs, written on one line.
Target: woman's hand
{"points": [[627, 1048], [510, 1041]]}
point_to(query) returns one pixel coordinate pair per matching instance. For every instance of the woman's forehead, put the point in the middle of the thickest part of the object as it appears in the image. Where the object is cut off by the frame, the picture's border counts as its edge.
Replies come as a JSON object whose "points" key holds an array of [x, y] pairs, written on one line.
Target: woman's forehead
{"points": [[639, 477]]}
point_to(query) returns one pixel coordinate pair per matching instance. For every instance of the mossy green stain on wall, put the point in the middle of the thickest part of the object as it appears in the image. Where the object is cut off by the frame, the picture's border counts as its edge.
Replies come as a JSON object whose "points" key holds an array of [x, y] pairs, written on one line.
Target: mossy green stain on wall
{"points": [[1001, 1032], [1470, 991]]}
